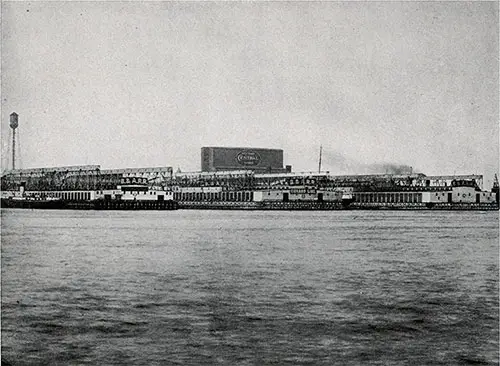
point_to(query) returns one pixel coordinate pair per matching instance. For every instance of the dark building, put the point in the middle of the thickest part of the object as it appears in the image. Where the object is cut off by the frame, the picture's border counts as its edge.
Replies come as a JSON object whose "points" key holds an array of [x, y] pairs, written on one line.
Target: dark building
{"points": [[242, 158]]}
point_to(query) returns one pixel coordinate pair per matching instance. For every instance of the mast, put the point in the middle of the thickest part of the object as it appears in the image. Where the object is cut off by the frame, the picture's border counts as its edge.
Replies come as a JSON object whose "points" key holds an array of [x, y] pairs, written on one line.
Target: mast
{"points": [[320, 153]]}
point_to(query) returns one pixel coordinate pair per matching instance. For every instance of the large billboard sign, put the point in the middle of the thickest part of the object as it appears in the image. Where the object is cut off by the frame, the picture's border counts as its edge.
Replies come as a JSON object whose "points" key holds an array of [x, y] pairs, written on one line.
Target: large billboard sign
{"points": [[231, 158]]}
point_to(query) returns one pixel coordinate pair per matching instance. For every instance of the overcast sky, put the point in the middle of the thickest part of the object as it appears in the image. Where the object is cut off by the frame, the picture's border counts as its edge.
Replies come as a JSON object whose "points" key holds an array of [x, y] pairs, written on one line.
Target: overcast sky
{"points": [[131, 84]]}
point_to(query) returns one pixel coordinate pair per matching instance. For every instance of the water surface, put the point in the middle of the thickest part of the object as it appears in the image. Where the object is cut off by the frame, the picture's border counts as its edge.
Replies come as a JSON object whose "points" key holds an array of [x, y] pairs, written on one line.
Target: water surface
{"points": [[250, 288]]}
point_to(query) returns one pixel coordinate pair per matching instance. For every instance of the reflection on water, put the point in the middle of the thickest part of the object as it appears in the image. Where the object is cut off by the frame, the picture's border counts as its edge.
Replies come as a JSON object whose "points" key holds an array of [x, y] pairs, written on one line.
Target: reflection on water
{"points": [[218, 287]]}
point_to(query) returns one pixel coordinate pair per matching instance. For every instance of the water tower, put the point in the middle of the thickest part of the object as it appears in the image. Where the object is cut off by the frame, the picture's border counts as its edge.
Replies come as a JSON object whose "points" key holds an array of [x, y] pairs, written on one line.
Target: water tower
{"points": [[13, 124]]}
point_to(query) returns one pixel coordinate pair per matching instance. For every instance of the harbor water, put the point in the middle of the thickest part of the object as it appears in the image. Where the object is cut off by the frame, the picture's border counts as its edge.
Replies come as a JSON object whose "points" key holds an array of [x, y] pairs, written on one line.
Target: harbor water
{"points": [[249, 287]]}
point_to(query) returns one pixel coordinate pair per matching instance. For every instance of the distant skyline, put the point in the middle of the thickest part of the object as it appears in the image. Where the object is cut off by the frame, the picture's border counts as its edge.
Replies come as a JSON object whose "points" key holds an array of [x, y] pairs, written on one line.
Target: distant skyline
{"points": [[131, 84]]}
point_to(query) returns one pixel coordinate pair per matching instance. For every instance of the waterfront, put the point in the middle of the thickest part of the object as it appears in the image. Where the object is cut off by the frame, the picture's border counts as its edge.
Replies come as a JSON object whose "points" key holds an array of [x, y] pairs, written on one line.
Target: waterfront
{"points": [[239, 287]]}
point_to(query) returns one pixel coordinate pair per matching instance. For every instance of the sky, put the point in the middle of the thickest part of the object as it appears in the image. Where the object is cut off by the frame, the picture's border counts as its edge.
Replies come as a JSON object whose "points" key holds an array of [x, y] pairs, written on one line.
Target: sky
{"points": [[139, 84]]}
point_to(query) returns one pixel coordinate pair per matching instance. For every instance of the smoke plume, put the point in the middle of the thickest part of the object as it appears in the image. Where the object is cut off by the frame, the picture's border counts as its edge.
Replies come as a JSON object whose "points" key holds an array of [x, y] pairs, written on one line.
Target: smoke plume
{"points": [[338, 163]]}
